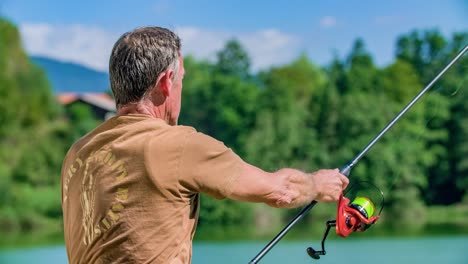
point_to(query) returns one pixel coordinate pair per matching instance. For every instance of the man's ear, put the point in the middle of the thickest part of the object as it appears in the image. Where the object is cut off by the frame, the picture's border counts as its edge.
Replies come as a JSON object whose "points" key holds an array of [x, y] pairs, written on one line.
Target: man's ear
{"points": [[165, 80]]}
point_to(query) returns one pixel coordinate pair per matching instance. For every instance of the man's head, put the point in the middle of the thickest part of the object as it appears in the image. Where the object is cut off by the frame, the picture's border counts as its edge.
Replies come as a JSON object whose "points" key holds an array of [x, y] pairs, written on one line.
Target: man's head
{"points": [[142, 60]]}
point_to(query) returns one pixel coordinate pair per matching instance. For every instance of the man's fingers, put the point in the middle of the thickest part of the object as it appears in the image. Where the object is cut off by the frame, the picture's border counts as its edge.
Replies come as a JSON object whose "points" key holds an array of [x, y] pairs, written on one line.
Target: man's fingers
{"points": [[330, 185], [344, 181]]}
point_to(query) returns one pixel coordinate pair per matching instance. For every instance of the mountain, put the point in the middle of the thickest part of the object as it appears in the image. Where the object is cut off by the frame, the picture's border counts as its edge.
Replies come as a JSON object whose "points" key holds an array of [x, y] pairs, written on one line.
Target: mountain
{"points": [[71, 77]]}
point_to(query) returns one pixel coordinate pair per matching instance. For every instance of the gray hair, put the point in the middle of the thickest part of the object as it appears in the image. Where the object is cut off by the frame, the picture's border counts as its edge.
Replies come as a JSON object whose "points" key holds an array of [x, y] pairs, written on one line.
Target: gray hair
{"points": [[138, 58]]}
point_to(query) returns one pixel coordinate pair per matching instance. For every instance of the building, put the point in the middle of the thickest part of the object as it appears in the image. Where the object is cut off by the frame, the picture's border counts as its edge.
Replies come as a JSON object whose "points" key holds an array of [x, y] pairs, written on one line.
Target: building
{"points": [[102, 104]]}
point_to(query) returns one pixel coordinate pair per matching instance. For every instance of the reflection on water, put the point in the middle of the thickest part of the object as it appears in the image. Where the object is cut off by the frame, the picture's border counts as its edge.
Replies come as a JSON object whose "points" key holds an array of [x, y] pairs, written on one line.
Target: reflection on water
{"points": [[363, 251]]}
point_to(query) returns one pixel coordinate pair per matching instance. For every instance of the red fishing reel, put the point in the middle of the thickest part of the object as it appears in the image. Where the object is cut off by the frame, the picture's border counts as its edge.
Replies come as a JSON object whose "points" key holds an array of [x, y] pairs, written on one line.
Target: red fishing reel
{"points": [[355, 216]]}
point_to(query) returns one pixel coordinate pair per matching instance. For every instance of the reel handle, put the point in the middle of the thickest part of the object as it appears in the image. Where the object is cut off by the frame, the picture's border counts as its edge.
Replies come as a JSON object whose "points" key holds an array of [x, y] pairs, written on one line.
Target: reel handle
{"points": [[315, 254]]}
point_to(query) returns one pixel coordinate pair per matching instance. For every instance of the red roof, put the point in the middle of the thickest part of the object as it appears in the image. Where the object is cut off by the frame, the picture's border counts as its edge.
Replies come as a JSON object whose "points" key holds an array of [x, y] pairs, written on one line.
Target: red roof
{"points": [[67, 98], [102, 100]]}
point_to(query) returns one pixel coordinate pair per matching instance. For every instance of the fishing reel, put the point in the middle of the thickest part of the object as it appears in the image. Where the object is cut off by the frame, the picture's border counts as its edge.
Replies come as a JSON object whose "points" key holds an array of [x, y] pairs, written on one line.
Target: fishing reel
{"points": [[355, 216]]}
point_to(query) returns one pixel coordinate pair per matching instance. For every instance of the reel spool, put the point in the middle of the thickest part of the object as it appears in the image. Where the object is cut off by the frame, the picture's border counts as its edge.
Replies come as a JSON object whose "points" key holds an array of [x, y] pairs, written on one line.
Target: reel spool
{"points": [[364, 205], [355, 216]]}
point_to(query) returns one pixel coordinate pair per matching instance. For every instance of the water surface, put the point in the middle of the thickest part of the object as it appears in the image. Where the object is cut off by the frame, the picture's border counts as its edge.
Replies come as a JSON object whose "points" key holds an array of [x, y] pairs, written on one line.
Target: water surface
{"points": [[446, 250]]}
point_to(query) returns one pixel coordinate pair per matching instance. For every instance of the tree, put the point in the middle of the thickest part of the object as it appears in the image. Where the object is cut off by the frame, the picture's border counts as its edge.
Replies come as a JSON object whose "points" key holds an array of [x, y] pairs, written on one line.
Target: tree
{"points": [[34, 137], [233, 60], [197, 96], [287, 116], [30, 153], [221, 97], [361, 71], [429, 52], [426, 51], [407, 154], [454, 81]]}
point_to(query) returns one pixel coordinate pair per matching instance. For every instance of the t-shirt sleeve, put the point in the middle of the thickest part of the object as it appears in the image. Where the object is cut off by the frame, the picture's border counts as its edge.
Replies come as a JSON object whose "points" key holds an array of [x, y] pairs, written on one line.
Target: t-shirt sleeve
{"points": [[208, 166]]}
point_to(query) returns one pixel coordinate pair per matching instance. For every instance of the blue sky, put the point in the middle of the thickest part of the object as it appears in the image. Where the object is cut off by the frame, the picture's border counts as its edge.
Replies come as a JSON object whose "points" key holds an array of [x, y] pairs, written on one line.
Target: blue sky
{"points": [[273, 32]]}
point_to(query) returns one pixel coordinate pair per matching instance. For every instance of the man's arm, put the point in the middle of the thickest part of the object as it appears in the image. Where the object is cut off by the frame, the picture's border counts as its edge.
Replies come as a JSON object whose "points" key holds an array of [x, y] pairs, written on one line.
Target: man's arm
{"points": [[287, 188], [208, 166]]}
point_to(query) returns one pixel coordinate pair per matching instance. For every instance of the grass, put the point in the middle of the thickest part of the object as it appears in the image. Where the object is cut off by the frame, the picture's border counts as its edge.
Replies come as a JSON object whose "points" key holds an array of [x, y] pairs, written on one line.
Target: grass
{"points": [[453, 214], [440, 220]]}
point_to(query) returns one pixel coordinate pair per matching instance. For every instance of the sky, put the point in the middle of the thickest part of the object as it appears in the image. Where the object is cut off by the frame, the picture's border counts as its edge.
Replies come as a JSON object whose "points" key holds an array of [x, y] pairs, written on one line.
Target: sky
{"points": [[273, 32]]}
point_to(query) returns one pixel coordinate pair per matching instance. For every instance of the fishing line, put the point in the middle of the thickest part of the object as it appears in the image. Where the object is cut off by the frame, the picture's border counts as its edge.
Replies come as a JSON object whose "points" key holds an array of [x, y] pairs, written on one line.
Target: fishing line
{"points": [[436, 106]]}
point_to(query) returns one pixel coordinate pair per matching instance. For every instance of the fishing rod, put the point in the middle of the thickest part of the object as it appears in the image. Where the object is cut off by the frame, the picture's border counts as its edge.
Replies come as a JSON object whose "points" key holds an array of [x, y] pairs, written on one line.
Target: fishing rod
{"points": [[344, 208]]}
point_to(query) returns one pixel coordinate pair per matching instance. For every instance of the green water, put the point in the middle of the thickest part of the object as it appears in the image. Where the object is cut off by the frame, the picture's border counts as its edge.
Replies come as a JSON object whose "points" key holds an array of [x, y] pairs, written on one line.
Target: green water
{"points": [[429, 250]]}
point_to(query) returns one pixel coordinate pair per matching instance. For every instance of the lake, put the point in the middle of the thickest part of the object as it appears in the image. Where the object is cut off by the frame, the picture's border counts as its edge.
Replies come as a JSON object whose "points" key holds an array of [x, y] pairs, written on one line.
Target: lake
{"points": [[428, 250]]}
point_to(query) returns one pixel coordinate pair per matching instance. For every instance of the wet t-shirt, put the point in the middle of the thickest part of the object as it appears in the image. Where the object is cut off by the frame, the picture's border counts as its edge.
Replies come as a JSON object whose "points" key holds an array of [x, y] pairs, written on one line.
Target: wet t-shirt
{"points": [[130, 190]]}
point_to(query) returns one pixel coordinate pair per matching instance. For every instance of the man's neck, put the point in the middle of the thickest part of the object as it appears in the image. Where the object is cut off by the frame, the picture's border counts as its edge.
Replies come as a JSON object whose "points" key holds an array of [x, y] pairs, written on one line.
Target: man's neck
{"points": [[146, 107]]}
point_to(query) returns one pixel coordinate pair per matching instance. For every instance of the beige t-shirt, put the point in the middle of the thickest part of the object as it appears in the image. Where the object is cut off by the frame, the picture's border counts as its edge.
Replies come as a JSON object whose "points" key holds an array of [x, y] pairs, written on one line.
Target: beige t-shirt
{"points": [[130, 190]]}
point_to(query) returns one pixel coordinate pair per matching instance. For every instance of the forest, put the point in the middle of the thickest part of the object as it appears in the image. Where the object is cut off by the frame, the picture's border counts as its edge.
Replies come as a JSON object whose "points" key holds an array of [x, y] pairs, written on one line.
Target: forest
{"points": [[299, 115]]}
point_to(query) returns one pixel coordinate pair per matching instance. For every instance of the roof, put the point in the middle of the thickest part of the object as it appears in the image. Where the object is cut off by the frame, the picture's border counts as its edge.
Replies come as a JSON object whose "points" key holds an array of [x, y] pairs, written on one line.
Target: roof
{"points": [[101, 100]]}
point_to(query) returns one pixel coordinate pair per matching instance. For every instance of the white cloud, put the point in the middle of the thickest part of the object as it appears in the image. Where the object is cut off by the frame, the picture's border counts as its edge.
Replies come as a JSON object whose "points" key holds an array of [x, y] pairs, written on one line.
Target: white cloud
{"points": [[202, 44], [91, 46], [271, 47], [328, 22], [266, 48]]}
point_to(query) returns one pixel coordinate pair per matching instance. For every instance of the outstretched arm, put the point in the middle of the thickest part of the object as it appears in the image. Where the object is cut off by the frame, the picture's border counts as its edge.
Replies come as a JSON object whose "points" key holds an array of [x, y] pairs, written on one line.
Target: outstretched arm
{"points": [[287, 188], [208, 166]]}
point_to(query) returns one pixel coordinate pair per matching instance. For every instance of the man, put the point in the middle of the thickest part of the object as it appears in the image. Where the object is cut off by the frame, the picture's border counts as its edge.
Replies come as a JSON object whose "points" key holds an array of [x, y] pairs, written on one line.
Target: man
{"points": [[130, 188]]}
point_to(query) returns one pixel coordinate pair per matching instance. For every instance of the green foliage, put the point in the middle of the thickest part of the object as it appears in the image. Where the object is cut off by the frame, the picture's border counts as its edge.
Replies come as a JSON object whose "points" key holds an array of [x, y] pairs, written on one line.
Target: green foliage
{"points": [[448, 214], [35, 134], [361, 71], [233, 60], [82, 121], [197, 95], [217, 103], [286, 115], [219, 213], [407, 208]]}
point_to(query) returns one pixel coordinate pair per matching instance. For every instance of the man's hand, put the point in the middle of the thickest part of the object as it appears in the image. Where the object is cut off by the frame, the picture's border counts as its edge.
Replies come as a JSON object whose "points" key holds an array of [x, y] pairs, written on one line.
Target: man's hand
{"points": [[328, 185]]}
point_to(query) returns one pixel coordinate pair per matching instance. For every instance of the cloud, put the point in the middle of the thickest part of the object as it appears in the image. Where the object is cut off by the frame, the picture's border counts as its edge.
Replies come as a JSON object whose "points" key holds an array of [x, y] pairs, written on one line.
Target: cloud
{"points": [[202, 44], [270, 47], [91, 46], [266, 47], [328, 22]]}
